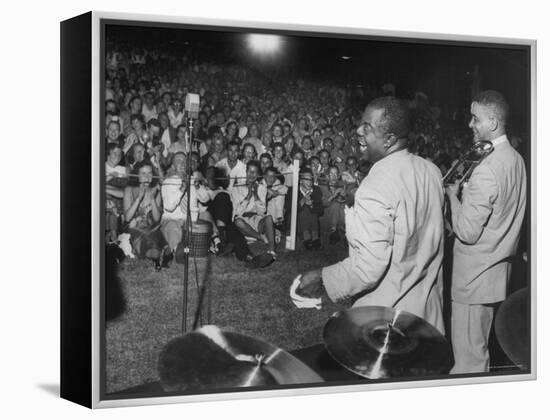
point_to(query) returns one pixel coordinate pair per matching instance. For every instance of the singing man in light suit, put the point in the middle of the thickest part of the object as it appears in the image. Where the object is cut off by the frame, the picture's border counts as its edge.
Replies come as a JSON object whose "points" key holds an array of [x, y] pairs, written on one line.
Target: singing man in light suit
{"points": [[395, 228], [487, 223]]}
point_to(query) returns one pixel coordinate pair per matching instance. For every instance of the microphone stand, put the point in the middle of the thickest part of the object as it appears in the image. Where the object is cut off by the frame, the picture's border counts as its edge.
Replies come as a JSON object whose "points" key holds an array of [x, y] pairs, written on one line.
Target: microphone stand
{"points": [[187, 237]]}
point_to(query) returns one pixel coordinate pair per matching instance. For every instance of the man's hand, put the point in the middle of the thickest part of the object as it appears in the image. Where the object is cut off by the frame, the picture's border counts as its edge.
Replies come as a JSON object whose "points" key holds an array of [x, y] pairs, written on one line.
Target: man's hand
{"points": [[311, 284], [452, 189]]}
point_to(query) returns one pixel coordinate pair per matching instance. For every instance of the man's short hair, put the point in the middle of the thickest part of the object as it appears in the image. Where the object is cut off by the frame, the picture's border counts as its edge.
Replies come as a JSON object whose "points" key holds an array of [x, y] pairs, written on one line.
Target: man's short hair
{"points": [[266, 155], [494, 100], [254, 163], [133, 98], [232, 143], [111, 146], [306, 171], [396, 117]]}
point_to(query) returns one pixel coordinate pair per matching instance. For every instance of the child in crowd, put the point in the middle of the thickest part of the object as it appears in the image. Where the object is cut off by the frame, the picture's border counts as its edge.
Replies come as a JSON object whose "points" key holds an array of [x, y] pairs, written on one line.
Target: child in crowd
{"points": [[310, 208]]}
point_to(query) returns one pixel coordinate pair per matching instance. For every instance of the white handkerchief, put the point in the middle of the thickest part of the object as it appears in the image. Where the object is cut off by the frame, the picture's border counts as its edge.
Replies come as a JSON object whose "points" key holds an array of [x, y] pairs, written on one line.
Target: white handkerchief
{"points": [[302, 301]]}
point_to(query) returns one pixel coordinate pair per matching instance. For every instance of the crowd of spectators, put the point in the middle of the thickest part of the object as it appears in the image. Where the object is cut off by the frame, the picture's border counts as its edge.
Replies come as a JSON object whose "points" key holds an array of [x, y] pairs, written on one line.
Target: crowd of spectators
{"points": [[242, 149]]}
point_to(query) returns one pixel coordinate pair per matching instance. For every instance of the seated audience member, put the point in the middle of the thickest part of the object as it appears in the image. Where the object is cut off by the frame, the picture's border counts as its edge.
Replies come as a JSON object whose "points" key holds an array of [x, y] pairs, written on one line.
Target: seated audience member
{"points": [[276, 195], [175, 113], [253, 138], [314, 164], [299, 156], [290, 145], [218, 151], [232, 165], [113, 133], [349, 175], [324, 161], [279, 158], [168, 133], [181, 143], [114, 174], [149, 110], [142, 212], [265, 162], [334, 201], [328, 145], [307, 147], [316, 136], [221, 209], [134, 108], [174, 198], [249, 208], [249, 153], [174, 201], [136, 155], [138, 133], [267, 143], [231, 133], [277, 133], [310, 207], [338, 155]]}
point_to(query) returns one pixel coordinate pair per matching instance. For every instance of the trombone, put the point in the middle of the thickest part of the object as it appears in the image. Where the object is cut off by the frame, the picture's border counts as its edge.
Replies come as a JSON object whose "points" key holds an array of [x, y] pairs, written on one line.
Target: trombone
{"points": [[471, 159]]}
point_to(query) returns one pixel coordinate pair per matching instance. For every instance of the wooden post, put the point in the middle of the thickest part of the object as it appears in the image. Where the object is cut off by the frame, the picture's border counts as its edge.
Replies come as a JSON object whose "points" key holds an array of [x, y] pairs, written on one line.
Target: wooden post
{"points": [[291, 240]]}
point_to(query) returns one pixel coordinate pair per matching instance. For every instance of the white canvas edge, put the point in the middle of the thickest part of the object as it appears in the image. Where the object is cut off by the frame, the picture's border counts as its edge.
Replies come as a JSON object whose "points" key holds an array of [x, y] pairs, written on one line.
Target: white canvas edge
{"points": [[96, 243]]}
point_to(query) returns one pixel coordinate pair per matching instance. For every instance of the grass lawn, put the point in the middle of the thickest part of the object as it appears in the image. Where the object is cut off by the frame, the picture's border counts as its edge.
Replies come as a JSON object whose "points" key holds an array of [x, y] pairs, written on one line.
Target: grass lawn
{"points": [[247, 301]]}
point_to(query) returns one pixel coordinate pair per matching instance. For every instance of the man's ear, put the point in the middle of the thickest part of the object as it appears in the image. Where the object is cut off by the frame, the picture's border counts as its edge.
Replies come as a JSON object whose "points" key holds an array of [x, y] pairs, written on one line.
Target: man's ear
{"points": [[390, 140], [494, 123]]}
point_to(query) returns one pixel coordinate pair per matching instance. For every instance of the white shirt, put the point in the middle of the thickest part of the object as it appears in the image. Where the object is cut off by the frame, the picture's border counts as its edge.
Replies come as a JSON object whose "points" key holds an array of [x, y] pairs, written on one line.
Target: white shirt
{"points": [[242, 205], [149, 113], [175, 201], [238, 171]]}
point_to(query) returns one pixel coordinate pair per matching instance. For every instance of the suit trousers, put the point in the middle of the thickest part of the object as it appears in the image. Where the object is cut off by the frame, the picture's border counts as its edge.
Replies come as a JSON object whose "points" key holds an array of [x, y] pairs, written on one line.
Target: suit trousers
{"points": [[470, 328]]}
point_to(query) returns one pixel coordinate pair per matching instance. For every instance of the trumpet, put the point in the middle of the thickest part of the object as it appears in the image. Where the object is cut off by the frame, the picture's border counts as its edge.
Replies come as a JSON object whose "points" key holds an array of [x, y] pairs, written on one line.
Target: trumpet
{"points": [[471, 159]]}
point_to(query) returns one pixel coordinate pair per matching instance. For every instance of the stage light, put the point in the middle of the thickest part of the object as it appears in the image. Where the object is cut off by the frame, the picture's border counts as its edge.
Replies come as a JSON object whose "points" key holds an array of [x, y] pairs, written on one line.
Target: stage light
{"points": [[264, 44]]}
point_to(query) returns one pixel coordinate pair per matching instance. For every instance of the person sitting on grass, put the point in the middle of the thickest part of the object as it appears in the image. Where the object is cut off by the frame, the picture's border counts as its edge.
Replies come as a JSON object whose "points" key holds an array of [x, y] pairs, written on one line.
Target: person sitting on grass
{"points": [[115, 176], [276, 196], [334, 201], [174, 198], [249, 208], [310, 208], [142, 212]]}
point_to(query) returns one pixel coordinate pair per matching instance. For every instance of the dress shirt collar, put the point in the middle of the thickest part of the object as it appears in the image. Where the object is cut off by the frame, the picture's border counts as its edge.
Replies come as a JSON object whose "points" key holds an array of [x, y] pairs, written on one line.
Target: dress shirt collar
{"points": [[500, 140]]}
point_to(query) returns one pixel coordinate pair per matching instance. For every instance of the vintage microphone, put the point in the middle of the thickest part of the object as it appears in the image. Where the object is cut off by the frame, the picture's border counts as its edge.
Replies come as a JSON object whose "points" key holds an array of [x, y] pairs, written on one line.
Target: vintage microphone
{"points": [[192, 102]]}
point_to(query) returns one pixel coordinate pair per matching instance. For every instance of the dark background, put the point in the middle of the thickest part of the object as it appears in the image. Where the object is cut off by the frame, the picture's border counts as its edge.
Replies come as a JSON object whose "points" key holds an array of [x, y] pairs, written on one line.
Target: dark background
{"points": [[444, 71]]}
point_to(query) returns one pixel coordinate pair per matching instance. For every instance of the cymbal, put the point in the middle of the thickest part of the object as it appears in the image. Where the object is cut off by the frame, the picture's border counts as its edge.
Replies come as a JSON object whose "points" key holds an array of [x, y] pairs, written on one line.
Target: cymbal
{"points": [[210, 358], [512, 327], [378, 342]]}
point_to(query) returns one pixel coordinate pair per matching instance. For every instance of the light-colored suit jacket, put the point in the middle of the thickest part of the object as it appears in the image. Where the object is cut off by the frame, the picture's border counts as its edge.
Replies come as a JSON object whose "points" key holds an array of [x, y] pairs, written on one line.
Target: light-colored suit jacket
{"points": [[395, 236], [487, 225]]}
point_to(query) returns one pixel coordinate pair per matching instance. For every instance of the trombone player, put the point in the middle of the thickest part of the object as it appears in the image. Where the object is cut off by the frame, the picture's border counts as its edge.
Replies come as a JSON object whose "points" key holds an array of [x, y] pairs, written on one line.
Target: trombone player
{"points": [[487, 222]]}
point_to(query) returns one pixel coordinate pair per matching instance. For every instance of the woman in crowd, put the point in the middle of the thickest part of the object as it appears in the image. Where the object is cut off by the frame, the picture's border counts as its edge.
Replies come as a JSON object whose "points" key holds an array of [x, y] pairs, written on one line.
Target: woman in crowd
{"points": [[307, 147], [138, 133], [181, 143], [142, 212]]}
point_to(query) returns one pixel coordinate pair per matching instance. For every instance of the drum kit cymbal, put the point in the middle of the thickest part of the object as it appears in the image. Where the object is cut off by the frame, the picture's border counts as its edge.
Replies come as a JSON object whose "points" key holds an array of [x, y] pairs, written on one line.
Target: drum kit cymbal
{"points": [[372, 342], [210, 358], [378, 342]]}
